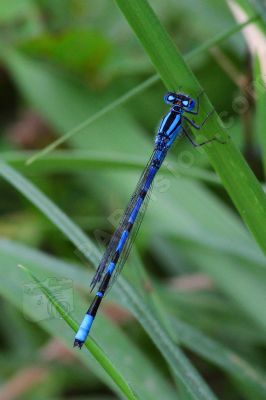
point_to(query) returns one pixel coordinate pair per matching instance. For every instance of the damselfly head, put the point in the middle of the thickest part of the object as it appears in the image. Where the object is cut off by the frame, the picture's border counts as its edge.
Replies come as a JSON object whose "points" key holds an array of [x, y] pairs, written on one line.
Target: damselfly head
{"points": [[179, 99]]}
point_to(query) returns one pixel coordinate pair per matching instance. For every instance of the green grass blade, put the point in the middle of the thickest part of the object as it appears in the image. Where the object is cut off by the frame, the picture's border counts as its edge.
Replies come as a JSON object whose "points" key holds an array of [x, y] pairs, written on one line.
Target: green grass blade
{"points": [[110, 107], [260, 92], [76, 160], [258, 4], [249, 292], [256, 38], [211, 350], [134, 364], [238, 179], [229, 236], [178, 362], [235, 242], [219, 355], [48, 208], [91, 345], [136, 90]]}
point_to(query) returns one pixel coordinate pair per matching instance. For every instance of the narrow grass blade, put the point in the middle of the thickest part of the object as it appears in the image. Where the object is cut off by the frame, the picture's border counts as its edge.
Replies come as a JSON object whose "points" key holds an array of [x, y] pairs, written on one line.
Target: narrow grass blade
{"points": [[91, 345], [178, 362], [110, 107], [238, 179], [260, 7], [238, 244], [244, 285], [137, 90], [75, 160], [52, 212], [131, 360], [218, 354], [255, 37], [260, 92], [181, 367]]}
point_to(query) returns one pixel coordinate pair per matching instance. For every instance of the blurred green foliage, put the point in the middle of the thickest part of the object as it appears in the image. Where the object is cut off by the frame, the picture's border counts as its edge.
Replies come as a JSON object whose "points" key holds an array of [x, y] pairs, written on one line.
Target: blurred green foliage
{"points": [[195, 282]]}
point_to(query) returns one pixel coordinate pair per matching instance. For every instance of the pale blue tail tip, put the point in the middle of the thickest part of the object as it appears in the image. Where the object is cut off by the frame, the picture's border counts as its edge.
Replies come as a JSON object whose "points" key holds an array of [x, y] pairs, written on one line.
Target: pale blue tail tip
{"points": [[83, 331]]}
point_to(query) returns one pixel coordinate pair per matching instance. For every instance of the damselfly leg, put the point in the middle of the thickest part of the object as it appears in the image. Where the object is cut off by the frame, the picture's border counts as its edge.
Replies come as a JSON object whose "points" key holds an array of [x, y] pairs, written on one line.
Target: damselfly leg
{"points": [[194, 144], [198, 127]]}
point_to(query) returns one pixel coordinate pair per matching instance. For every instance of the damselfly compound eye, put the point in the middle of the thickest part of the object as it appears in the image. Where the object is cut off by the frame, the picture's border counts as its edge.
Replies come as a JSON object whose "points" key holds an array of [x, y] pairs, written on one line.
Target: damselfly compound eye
{"points": [[170, 98]]}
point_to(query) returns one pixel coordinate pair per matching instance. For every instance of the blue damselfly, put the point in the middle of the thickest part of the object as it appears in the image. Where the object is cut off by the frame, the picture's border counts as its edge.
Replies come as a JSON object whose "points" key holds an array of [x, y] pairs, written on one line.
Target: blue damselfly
{"points": [[171, 128]]}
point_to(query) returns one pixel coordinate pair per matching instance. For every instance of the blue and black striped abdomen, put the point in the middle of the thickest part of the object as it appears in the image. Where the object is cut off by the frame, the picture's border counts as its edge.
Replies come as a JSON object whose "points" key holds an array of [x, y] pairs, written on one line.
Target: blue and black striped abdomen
{"points": [[169, 129], [119, 246]]}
